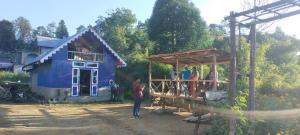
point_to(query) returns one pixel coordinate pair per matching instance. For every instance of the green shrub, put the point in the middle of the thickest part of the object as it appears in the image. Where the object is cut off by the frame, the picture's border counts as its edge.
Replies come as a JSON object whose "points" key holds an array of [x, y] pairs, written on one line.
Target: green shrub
{"points": [[14, 77], [139, 68]]}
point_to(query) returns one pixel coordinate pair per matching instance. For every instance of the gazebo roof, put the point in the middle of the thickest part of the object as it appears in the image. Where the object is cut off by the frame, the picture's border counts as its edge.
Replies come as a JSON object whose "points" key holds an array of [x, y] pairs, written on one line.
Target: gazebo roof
{"points": [[194, 57]]}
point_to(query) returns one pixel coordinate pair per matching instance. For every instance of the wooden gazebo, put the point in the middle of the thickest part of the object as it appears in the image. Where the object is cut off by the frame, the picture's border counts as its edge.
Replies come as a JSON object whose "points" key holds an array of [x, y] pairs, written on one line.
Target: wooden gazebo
{"points": [[200, 57]]}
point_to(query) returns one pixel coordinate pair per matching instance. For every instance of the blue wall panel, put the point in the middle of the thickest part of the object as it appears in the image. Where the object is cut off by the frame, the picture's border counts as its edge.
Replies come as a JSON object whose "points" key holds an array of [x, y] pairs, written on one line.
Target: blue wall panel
{"points": [[56, 73], [107, 69]]}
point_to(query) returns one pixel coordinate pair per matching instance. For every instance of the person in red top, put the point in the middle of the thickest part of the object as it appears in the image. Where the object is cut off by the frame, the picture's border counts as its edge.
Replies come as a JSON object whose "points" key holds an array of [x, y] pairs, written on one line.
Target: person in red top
{"points": [[194, 77], [137, 94]]}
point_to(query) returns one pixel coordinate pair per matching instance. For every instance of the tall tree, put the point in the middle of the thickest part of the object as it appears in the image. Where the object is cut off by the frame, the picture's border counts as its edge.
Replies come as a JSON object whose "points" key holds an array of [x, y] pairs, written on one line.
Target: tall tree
{"points": [[116, 28], [80, 28], [41, 31], [61, 30], [7, 37], [51, 28], [177, 25], [23, 29]]}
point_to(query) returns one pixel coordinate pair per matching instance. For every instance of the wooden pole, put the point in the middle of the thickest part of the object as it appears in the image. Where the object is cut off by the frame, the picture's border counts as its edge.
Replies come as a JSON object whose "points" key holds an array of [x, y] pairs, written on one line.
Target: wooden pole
{"points": [[252, 68], [150, 81], [201, 76], [150, 76], [232, 93], [215, 73], [177, 81], [232, 60], [177, 78]]}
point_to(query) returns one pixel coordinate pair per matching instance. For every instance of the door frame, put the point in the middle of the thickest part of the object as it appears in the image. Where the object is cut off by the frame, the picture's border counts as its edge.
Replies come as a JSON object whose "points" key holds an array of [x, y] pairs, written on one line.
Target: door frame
{"points": [[94, 83], [75, 88], [75, 85]]}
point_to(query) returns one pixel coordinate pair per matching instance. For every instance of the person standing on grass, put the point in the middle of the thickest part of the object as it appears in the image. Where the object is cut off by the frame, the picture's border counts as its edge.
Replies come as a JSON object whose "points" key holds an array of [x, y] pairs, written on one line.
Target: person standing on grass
{"points": [[137, 94], [113, 90]]}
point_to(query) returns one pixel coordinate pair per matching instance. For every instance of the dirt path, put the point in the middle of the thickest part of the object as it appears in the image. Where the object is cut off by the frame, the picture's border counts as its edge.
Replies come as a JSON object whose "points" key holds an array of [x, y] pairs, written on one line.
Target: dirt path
{"points": [[91, 119]]}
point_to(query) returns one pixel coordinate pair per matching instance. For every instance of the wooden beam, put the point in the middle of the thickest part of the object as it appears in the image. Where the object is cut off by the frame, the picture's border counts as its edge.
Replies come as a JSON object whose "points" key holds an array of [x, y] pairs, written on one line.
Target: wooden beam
{"points": [[256, 9], [275, 17]]}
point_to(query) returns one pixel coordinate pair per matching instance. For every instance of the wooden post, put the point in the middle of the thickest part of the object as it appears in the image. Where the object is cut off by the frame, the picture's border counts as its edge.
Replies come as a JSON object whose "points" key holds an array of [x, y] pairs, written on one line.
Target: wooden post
{"points": [[201, 75], [177, 78], [252, 76], [215, 73], [252, 68], [177, 81], [150, 81], [163, 87], [232, 93], [150, 77]]}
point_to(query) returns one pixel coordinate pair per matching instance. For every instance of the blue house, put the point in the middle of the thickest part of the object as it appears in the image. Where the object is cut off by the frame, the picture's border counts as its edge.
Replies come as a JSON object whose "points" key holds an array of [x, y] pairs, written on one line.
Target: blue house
{"points": [[77, 67]]}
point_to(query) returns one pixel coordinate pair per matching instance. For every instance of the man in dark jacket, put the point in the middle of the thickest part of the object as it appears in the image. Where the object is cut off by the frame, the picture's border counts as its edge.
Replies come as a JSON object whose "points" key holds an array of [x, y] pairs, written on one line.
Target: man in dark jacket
{"points": [[137, 94], [113, 90]]}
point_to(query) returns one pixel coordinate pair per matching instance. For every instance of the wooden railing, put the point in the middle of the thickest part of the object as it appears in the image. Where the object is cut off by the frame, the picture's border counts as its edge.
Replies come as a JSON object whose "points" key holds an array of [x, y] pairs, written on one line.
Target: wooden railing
{"points": [[182, 88], [81, 56]]}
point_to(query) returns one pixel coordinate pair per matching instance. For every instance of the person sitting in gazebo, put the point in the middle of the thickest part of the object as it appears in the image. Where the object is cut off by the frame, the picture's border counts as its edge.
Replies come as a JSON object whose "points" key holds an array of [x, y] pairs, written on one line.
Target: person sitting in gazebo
{"points": [[193, 78], [185, 76], [173, 76], [213, 75]]}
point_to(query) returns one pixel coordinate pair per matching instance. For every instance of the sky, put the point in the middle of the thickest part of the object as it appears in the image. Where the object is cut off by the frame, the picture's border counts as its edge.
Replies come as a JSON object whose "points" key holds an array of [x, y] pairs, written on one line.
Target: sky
{"points": [[86, 12]]}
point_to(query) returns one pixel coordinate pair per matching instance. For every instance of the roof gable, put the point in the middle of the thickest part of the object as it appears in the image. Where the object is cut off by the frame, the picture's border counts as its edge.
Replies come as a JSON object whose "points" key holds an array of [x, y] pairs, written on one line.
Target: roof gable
{"points": [[64, 42]]}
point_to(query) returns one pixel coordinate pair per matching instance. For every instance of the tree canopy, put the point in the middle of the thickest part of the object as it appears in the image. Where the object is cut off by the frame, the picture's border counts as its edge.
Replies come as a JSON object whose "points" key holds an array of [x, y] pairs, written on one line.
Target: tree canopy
{"points": [[23, 29], [116, 27], [80, 28], [41, 31], [7, 37], [61, 30], [176, 25]]}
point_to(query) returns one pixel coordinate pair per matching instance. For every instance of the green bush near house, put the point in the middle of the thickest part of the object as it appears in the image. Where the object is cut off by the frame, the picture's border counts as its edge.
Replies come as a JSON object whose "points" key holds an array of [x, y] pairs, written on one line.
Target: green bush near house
{"points": [[14, 77]]}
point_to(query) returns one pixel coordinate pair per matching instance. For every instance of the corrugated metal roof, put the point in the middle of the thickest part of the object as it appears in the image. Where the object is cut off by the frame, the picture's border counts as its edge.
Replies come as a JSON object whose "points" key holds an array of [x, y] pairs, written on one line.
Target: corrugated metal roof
{"points": [[48, 42], [63, 42]]}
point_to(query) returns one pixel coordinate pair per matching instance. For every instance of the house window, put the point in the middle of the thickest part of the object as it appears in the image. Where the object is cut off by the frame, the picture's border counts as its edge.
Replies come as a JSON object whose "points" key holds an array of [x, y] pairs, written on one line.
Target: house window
{"points": [[75, 91], [94, 91], [92, 65], [94, 76], [78, 64], [75, 76], [85, 56]]}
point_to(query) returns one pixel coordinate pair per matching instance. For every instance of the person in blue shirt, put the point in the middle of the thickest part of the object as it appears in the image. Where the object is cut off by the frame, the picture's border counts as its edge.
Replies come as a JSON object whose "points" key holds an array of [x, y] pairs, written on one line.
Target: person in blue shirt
{"points": [[185, 76], [186, 73]]}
